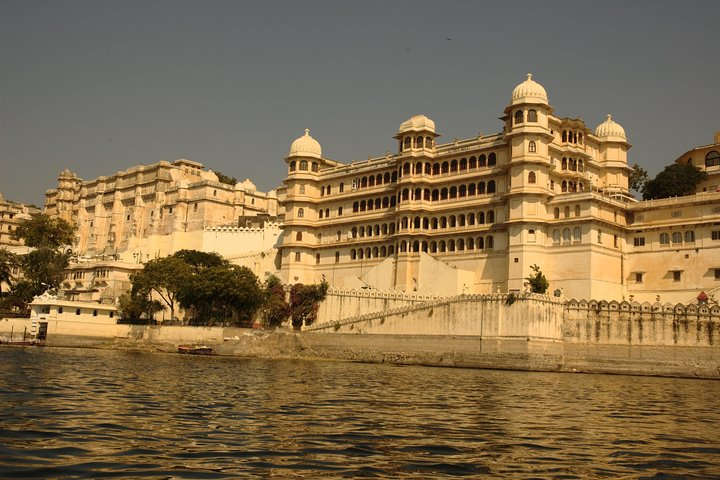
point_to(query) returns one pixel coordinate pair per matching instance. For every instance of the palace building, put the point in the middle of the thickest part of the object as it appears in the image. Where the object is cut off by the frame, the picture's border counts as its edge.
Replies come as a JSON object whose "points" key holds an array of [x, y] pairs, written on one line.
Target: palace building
{"points": [[473, 215]]}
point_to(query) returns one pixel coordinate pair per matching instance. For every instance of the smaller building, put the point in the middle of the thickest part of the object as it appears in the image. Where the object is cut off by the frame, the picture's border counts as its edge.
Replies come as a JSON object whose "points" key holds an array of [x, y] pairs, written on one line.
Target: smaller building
{"points": [[706, 158], [85, 319]]}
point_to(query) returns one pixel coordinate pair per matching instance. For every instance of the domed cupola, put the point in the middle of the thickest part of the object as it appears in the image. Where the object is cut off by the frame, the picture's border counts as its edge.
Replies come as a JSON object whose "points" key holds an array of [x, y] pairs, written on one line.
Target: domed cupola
{"points": [[417, 123], [305, 146], [610, 130], [529, 91], [417, 133]]}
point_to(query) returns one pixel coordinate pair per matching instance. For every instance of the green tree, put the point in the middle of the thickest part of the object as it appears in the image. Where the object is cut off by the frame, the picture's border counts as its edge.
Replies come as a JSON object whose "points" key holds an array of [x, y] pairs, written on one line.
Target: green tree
{"points": [[165, 276], [226, 293], [275, 309], [43, 266], [304, 303], [200, 260], [138, 309], [638, 178], [222, 178], [538, 282], [43, 231], [675, 180], [8, 261]]}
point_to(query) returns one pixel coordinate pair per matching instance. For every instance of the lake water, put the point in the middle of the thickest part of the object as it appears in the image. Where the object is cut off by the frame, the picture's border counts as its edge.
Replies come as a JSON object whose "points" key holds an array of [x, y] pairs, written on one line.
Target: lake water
{"points": [[70, 413]]}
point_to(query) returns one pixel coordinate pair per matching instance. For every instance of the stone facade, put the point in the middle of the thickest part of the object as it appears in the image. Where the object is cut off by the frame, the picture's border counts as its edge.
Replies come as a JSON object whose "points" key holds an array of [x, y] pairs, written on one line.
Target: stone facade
{"points": [[11, 213], [473, 215]]}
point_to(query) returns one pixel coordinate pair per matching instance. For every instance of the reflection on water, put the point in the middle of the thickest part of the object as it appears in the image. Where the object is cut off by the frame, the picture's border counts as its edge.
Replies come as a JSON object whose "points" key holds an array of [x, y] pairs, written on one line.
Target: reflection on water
{"points": [[91, 413]]}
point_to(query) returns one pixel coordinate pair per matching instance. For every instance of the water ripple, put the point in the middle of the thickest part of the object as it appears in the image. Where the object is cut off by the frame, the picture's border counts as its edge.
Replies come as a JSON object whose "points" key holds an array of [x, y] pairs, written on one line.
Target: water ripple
{"points": [[70, 413]]}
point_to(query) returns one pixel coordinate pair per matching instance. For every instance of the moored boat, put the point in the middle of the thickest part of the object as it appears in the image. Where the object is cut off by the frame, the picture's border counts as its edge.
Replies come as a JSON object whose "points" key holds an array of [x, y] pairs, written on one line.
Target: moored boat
{"points": [[195, 349]]}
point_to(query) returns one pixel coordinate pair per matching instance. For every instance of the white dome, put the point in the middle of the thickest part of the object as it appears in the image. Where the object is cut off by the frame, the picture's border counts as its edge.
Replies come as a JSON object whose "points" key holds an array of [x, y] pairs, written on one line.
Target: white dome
{"points": [[610, 128], [417, 123], [305, 146], [529, 91]]}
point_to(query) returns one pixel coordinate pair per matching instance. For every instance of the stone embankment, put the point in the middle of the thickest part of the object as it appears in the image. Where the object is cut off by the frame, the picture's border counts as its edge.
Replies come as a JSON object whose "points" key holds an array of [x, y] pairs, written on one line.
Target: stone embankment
{"points": [[526, 332]]}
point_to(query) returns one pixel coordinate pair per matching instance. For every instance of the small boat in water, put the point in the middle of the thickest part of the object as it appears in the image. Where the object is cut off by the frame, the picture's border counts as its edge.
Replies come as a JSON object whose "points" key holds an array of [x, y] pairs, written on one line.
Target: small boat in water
{"points": [[195, 349]]}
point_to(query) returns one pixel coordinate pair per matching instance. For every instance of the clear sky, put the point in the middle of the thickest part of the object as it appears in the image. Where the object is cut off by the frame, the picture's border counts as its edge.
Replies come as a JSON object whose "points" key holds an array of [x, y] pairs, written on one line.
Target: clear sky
{"points": [[99, 86]]}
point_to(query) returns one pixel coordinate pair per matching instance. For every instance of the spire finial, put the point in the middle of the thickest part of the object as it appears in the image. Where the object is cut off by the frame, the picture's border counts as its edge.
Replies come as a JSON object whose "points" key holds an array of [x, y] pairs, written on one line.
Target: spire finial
{"points": [[307, 132], [609, 117], [529, 76]]}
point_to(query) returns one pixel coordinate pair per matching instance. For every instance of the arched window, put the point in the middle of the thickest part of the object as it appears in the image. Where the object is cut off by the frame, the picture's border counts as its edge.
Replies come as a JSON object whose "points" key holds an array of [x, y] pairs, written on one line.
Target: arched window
{"points": [[576, 235], [491, 186], [391, 250], [463, 164], [378, 180], [473, 162], [339, 211], [337, 235], [566, 235], [301, 212], [353, 254], [480, 243], [436, 169], [408, 143], [563, 186], [462, 191], [712, 159], [321, 213], [491, 216], [556, 237], [314, 166], [444, 194], [452, 221], [453, 192], [418, 168], [393, 177], [470, 244], [363, 206], [489, 243], [664, 239], [577, 210], [443, 222], [556, 212], [481, 218], [451, 245], [481, 161], [690, 236], [677, 237], [419, 141], [531, 177], [492, 159], [532, 148], [303, 165], [445, 167], [356, 207], [454, 166], [428, 168], [298, 237], [292, 166], [532, 115], [386, 177], [363, 182], [563, 164], [371, 181], [428, 142], [471, 190], [471, 219], [481, 188], [519, 116]]}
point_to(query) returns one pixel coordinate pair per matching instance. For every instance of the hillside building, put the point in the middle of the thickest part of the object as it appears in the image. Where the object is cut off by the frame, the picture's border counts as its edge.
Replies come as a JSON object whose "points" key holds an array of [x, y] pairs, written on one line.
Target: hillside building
{"points": [[473, 215]]}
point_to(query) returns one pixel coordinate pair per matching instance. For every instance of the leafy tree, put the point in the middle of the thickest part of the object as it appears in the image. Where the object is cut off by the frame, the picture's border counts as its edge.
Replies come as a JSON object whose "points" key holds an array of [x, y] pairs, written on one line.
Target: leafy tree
{"points": [[138, 309], [8, 261], [638, 178], [222, 178], [538, 282], [675, 180], [165, 276], [226, 292], [275, 309], [43, 266], [304, 303], [200, 260], [43, 231]]}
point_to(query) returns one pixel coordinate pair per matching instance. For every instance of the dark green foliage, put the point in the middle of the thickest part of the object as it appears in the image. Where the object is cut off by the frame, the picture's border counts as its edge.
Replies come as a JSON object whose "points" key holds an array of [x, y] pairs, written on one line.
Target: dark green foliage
{"points": [[638, 178], [275, 309], [675, 180], [538, 282], [222, 178], [165, 276], [200, 260], [227, 293], [43, 231], [138, 309], [8, 261], [304, 303]]}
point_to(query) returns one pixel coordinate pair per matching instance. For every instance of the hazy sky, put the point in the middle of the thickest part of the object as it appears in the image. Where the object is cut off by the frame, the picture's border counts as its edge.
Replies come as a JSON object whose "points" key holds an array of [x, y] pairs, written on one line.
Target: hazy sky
{"points": [[100, 86]]}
